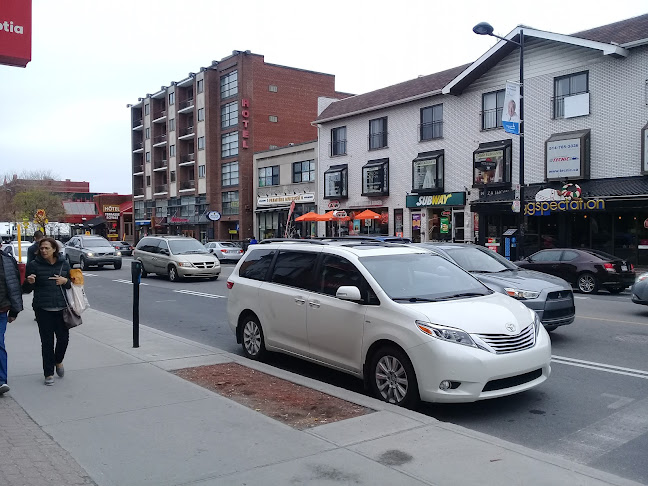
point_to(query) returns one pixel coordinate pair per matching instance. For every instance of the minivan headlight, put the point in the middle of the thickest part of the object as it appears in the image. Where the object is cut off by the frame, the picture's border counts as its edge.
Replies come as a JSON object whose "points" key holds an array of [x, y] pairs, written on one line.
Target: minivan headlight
{"points": [[445, 333], [89, 253], [185, 264], [521, 294]]}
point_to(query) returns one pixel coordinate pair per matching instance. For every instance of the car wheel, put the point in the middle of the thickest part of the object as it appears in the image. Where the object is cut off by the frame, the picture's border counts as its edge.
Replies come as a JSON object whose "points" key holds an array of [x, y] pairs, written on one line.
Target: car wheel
{"points": [[615, 290], [173, 274], [144, 272], [392, 378], [252, 338], [118, 265], [83, 264], [587, 283]]}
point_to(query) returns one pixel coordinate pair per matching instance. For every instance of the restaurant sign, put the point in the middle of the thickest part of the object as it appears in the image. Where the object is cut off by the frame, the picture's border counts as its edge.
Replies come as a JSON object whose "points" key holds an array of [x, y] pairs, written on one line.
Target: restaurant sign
{"points": [[286, 199], [448, 199], [544, 208]]}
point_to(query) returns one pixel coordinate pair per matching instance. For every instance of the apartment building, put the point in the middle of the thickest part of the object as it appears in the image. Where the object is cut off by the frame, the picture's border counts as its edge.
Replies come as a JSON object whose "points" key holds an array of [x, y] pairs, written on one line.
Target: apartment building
{"points": [[193, 142], [430, 155]]}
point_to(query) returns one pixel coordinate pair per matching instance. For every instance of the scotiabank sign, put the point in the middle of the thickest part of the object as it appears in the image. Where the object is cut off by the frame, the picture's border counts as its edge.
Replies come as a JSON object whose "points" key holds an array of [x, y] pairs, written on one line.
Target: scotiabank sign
{"points": [[15, 32]]}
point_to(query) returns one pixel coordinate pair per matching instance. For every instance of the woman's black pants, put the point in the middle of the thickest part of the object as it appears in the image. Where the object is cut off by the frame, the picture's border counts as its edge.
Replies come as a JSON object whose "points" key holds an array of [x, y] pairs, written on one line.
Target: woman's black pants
{"points": [[49, 325]]}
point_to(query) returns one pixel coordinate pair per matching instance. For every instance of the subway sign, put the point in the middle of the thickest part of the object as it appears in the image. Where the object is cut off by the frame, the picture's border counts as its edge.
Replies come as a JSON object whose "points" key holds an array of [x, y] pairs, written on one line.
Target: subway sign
{"points": [[448, 199], [544, 208]]}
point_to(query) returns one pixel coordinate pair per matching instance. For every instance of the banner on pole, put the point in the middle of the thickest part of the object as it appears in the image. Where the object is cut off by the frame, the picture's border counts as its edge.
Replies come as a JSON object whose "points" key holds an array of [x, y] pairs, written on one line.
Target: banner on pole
{"points": [[511, 109]]}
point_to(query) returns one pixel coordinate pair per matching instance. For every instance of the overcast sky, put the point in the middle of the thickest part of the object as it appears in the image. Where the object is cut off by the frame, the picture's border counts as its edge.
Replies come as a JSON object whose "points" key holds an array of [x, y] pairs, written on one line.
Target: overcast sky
{"points": [[66, 112]]}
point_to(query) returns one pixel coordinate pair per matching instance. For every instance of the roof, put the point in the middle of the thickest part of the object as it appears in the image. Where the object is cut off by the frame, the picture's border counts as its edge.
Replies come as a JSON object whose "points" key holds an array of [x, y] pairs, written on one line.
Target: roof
{"points": [[634, 187], [84, 208], [627, 31], [126, 207], [413, 89]]}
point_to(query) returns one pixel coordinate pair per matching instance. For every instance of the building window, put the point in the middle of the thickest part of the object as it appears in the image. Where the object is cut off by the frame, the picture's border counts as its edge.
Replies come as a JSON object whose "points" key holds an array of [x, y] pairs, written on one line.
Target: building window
{"points": [[273, 118], [431, 122], [231, 202], [375, 178], [492, 164], [201, 114], [147, 133], [378, 133], [427, 172], [230, 174], [229, 84], [147, 108], [566, 86], [148, 156], [338, 141], [200, 86], [229, 115], [269, 176], [172, 151], [492, 104], [201, 143], [272, 88], [172, 125], [336, 182], [172, 176], [202, 171], [229, 144], [148, 181], [172, 98], [304, 171]]}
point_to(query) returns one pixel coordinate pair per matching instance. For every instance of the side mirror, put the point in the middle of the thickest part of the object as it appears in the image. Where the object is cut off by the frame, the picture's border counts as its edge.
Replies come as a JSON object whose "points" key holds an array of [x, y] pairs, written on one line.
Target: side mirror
{"points": [[164, 251], [211, 250], [348, 292]]}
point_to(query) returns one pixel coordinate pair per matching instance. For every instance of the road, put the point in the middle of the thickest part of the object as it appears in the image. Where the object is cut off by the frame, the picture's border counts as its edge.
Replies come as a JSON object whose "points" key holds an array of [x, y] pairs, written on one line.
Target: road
{"points": [[592, 410]]}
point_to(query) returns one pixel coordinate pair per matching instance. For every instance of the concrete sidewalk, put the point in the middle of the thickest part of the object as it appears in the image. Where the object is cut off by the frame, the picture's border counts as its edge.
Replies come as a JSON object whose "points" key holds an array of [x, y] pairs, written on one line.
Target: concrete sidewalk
{"points": [[120, 418]]}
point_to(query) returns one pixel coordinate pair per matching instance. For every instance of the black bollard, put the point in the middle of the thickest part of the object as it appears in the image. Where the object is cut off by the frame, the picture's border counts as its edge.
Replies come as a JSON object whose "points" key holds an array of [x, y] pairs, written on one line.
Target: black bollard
{"points": [[136, 275]]}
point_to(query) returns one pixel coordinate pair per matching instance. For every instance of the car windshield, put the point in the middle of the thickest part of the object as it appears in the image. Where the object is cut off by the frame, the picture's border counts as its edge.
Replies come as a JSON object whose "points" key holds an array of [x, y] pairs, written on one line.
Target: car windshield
{"points": [[422, 277], [96, 242], [477, 260], [183, 247]]}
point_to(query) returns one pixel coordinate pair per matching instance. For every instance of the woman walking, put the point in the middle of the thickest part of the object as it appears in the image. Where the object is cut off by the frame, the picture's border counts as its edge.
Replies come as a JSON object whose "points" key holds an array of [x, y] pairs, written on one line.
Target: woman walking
{"points": [[48, 275]]}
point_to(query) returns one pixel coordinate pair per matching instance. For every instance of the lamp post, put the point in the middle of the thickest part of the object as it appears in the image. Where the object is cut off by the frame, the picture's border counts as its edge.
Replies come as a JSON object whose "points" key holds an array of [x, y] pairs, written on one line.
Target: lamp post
{"points": [[484, 28]]}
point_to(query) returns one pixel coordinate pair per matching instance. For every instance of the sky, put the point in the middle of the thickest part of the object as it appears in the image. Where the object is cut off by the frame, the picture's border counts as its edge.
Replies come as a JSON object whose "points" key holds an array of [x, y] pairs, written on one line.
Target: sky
{"points": [[66, 111]]}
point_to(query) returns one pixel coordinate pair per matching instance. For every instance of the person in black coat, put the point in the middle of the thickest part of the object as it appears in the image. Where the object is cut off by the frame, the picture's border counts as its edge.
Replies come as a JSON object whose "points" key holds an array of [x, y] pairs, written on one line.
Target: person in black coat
{"points": [[48, 275], [10, 305]]}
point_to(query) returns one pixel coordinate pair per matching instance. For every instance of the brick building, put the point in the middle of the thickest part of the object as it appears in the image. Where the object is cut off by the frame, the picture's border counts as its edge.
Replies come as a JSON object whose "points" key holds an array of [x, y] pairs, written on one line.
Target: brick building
{"points": [[193, 142]]}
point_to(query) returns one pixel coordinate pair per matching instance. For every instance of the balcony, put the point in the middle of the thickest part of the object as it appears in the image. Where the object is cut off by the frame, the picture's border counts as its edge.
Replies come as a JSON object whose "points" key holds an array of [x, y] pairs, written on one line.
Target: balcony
{"points": [[138, 192], [159, 140], [491, 119], [138, 169], [186, 132], [159, 165], [138, 147], [137, 124], [186, 160], [161, 189], [187, 186], [430, 130], [186, 105], [159, 116]]}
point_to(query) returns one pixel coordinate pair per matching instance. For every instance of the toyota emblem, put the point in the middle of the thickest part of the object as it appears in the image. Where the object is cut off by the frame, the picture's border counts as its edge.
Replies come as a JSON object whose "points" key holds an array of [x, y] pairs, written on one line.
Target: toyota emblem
{"points": [[510, 327]]}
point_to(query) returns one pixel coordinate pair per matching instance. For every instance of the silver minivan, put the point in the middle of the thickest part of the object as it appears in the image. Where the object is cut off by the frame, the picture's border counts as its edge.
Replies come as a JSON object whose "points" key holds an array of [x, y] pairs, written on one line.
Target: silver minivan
{"points": [[176, 257]]}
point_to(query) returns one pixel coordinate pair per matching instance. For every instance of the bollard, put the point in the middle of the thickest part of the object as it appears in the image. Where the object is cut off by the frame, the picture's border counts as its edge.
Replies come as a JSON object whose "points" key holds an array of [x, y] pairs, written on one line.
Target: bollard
{"points": [[136, 275]]}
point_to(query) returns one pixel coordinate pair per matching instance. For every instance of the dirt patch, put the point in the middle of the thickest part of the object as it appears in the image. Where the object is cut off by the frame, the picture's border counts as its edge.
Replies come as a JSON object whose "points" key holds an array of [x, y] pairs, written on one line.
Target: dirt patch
{"points": [[295, 405]]}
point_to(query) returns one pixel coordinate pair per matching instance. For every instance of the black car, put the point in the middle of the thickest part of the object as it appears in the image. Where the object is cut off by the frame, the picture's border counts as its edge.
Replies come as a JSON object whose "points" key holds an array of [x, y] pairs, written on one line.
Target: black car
{"points": [[589, 270], [124, 246]]}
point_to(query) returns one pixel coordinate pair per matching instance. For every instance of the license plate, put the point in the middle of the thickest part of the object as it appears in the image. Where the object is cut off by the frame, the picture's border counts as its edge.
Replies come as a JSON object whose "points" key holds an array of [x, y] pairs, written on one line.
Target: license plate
{"points": [[624, 268]]}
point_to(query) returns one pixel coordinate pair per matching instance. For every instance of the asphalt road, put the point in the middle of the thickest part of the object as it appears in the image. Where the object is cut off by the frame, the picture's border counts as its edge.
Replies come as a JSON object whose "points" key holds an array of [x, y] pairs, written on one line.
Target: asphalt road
{"points": [[592, 410]]}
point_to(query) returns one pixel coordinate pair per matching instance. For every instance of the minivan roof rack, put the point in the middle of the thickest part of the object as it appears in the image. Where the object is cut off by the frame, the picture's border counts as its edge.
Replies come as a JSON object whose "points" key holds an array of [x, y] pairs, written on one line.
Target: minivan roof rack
{"points": [[292, 240]]}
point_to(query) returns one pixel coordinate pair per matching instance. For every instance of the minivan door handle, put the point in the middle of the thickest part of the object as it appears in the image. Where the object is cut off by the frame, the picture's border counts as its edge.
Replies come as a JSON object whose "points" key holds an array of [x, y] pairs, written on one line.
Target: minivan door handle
{"points": [[300, 301], [314, 304]]}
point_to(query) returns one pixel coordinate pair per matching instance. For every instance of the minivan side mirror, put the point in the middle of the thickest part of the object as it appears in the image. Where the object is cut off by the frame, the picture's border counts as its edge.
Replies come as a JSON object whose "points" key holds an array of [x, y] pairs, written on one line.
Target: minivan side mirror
{"points": [[164, 251], [211, 250], [348, 292]]}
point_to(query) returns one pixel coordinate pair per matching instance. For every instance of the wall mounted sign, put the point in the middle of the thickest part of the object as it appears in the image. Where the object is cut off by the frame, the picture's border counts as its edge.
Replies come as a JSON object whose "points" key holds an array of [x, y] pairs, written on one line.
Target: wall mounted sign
{"points": [[15, 32], [111, 212], [213, 215], [448, 199], [567, 155], [544, 208], [308, 197], [245, 119]]}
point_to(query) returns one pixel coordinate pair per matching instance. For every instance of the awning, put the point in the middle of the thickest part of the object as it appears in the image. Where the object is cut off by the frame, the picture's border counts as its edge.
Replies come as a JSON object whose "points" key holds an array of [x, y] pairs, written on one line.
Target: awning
{"points": [[126, 207], [434, 154], [94, 222]]}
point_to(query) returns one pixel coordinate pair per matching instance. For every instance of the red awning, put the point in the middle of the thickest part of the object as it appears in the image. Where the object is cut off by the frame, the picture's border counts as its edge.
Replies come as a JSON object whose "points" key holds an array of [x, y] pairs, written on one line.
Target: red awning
{"points": [[126, 207]]}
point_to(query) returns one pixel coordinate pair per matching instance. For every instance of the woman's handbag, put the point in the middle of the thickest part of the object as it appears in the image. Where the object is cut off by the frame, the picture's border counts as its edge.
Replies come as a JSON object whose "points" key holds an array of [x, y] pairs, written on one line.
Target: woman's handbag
{"points": [[70, 317]]}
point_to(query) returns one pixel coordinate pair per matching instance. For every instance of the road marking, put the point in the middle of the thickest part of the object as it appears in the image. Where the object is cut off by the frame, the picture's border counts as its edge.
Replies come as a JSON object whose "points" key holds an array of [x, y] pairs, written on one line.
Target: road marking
{"points": [[620, 401], [121, 280], [600, 367], [588, 444], [200, 294], [90, 274], [614, 320], [581, 298]]}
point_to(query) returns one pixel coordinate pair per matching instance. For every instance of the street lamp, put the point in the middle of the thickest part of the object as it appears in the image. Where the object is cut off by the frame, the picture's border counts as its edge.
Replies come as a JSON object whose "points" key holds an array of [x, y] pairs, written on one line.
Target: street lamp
{"points": [[484, 28]]}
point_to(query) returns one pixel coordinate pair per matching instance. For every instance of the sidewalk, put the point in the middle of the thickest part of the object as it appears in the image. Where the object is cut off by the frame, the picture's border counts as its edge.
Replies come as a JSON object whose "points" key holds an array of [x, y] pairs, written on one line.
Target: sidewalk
{"points": [[120, 418]]}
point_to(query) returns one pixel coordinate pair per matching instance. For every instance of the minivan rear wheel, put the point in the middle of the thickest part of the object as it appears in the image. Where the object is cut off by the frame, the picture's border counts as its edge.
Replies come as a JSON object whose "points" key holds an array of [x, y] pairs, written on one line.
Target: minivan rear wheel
{"points": [[392, 378], [252, 338]]}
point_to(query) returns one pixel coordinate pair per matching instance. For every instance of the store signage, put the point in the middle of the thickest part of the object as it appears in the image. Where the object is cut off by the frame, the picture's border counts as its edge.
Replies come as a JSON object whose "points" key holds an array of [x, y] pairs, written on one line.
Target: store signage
{"points": [[15, 32], [297, 198], [110, 212], [333, 204], [563, 158], [213, 215], [544, 208], [179, 220], [245, 118], [449, 199]]}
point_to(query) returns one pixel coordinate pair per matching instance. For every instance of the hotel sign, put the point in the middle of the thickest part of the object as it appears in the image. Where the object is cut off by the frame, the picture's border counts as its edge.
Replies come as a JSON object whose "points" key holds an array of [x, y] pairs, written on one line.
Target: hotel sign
{"points": [[111, 212], [286, 199]]}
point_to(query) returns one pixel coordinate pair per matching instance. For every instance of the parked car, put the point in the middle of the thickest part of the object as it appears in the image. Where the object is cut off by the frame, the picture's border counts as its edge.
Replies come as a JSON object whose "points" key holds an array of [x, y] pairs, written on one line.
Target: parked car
{"points": [[176, 257], [551, 297], [92, 251], [589, 270], [225, 250], [12, 249], [410, 323], [639, 290], [124, 247]]}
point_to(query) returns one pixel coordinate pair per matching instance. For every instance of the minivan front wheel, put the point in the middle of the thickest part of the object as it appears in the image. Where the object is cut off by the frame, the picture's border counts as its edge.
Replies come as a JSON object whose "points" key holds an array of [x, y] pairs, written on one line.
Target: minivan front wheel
{"points": [[252, 338], [392, 378], [173, 274]]}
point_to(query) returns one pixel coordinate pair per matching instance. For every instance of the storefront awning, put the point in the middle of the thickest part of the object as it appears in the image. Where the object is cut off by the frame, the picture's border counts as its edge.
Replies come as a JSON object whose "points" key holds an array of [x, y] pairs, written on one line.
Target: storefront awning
{"points": [[94, 222]]}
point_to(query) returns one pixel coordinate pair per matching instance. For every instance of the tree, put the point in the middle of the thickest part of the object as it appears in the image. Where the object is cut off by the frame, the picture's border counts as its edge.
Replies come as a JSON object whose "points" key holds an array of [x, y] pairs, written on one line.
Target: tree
{"points": [[26, 204], [10, 187]]}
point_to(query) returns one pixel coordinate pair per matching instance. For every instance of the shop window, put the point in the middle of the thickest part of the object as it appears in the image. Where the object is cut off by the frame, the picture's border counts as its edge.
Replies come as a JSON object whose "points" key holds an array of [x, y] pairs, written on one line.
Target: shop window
{"points": [[269, 176], [566, 87], [378, 133], [338, 141], [428, 172], [492, 105], [431, 123], [375, 178], [336, 182], [492, 165], [304, 171], [398, 222], [229, 84]]}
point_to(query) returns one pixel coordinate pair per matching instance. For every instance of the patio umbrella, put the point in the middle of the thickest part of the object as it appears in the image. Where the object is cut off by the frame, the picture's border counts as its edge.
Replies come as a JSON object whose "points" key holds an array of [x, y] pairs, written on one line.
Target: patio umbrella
{"points": [[367, 214], [330, 216], [309, 216]]}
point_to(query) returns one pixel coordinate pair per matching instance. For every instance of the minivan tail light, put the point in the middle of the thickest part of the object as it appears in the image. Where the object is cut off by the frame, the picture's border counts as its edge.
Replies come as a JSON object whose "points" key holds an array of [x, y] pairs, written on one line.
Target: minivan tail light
{"points": [[631, 267], [609, 267], [230, 284]]}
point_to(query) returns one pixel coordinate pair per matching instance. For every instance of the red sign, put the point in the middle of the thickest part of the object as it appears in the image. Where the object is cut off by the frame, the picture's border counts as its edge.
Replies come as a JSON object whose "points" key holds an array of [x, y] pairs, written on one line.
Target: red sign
{"points": [[245, 115], [15, 32]]}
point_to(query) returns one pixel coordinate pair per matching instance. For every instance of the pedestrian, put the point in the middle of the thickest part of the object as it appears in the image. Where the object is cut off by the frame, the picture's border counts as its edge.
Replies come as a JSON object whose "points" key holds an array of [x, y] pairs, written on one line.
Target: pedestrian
{"points": [[253, 241], [32, 251], [10, 305], [48, 275]]}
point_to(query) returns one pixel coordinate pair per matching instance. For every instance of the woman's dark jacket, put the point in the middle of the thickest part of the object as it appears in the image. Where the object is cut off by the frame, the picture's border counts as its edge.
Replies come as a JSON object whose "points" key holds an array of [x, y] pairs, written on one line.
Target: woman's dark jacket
{"points": [[47, 295], [10, 294]]}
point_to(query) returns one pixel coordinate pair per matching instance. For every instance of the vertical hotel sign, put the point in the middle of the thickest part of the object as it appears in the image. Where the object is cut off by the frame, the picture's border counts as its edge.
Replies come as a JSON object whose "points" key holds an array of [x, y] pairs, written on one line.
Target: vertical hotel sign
{"points": [[245, 118], [15, 32]]}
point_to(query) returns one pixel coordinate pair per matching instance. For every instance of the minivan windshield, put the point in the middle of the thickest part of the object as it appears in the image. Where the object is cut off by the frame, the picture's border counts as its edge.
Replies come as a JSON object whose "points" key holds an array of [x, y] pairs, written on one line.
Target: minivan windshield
{"points": [[475, 259], [185, 247], [422, 277], [96, 242]]}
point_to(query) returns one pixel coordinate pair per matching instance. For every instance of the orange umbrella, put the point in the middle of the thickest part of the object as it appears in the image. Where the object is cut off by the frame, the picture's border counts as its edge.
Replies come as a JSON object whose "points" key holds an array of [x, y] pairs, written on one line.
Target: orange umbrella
{"points": [[331, 217], [367, 214], [309, 216]]}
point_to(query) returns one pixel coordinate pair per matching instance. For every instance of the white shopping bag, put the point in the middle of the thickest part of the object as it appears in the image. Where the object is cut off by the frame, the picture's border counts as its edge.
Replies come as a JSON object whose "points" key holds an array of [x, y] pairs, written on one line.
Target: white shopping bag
{"points": [[77, 298]]}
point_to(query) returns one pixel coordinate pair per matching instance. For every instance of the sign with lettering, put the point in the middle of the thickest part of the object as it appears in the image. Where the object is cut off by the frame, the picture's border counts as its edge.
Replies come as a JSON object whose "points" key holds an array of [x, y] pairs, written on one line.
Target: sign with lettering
{"points": [[245, 119], [449, 199], [15, 32], [286, 199], [544, 208], [111, 212], [563, 158]]}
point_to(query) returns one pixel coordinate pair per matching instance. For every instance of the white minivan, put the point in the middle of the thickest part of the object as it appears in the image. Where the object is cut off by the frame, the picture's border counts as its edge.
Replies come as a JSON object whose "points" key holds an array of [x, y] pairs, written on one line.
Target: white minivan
{"points": [[407, 321]]}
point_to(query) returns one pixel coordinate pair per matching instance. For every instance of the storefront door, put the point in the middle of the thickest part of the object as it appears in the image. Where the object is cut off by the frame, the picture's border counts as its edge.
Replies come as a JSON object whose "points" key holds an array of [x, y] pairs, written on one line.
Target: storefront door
{"points": [[458, 232]]}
